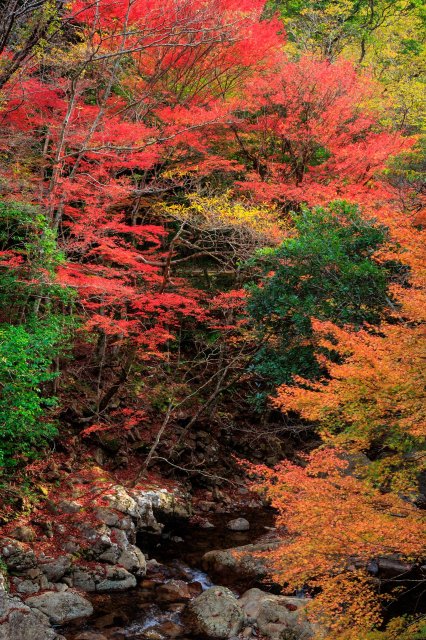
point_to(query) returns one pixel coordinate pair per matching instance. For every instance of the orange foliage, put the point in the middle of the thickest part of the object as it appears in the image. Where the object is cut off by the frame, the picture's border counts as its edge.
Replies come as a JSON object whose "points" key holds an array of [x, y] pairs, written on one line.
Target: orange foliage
{"points": [[336, 524], [348, 604], [374, 398]]}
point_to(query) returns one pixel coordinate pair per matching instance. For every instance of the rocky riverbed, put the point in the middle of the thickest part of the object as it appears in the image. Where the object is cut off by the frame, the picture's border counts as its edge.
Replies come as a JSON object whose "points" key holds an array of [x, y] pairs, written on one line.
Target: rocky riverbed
{"points": [[112, 563]]}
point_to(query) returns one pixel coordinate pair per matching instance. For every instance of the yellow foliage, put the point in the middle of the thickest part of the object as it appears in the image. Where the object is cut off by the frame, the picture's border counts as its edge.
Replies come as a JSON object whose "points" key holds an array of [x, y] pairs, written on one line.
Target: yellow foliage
{"points": [[221, 212], [386, 39], [400, 68]]}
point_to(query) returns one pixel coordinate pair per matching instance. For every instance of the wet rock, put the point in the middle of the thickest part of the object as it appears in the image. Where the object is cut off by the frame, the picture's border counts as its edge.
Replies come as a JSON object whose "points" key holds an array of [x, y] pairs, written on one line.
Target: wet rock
{"points": [[278, 617], [170, 629], [106, 621], [19, 621], [195, 588], [61, 607], [239, 524], [90, 635], [152, 565], [173, 591], [216, 613], [159, 572], [240, 562], [149, 584], [176, 607], [153, 634], [197, 579]]}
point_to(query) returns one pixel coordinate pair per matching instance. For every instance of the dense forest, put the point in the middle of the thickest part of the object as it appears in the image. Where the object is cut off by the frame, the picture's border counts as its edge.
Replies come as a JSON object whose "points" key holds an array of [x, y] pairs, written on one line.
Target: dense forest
{"points": [[212, 281]]}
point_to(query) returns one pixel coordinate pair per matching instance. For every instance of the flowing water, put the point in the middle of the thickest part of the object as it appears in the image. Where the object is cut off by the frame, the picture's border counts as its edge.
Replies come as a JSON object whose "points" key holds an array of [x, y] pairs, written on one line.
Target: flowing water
{"points": [[148, 612]]}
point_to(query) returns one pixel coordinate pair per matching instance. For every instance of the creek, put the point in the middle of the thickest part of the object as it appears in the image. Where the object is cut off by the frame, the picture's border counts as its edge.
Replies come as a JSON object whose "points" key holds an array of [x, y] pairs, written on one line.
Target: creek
{"points": [[153, 610]]}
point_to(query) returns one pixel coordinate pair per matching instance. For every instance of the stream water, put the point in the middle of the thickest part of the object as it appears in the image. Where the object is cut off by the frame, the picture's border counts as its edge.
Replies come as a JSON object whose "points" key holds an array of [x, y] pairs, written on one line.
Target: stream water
{"points": [[151, 611]]}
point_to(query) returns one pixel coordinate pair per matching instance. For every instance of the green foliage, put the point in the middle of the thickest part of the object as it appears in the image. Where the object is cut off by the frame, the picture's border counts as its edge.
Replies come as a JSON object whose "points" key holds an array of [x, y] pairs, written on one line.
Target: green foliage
{"points": [[34, 329], [26, 354], [29, 283], [325, 271]]}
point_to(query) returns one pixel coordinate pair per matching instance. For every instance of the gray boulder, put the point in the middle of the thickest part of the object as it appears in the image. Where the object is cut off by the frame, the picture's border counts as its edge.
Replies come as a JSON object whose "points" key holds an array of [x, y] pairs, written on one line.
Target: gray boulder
{"points": [[102, 578], [116, 579], [133, 560], [61, 607], [126, 555], [54, 568], [143, 507], [216, 613], [20, 622], [86, 579], [160, 503], [239, 524], [101, 554], [239, 562], [118, 498], [25, 587], [278, 617], [17, 555]]}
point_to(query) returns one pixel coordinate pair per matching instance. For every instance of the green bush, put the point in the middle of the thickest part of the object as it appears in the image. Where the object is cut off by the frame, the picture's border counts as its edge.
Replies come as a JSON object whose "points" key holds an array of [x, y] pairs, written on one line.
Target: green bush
{"points": [[26, 354], [34, 330], [29, 284], [327, 271]]}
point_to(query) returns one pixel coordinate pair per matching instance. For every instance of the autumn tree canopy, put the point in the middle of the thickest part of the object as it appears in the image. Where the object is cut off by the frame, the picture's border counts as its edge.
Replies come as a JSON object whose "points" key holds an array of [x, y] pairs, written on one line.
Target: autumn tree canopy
{"points": [[212, 220]]}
